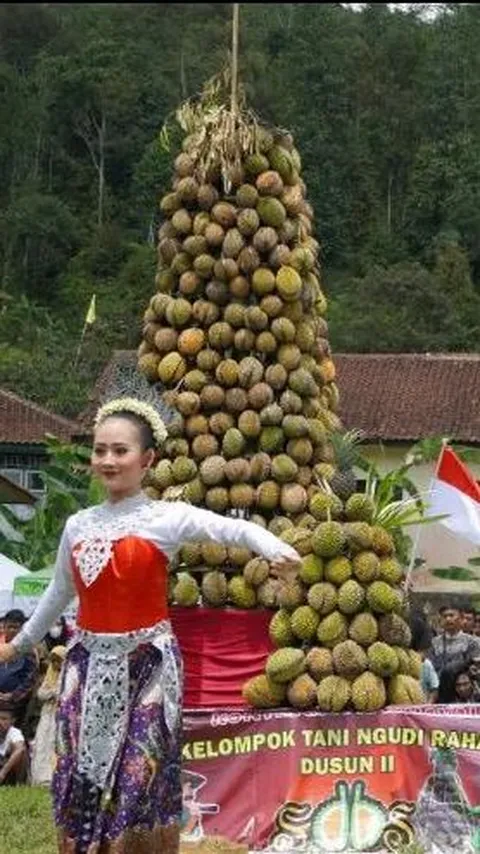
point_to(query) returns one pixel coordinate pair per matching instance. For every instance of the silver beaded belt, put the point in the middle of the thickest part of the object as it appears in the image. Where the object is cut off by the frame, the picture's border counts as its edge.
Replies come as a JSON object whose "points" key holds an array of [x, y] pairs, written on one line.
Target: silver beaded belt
{"points": [[105, 712]]}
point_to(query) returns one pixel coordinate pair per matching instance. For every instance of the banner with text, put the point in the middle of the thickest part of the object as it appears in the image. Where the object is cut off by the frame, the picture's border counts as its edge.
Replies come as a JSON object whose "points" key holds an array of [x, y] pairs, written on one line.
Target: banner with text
{"points": [[308, 782]]}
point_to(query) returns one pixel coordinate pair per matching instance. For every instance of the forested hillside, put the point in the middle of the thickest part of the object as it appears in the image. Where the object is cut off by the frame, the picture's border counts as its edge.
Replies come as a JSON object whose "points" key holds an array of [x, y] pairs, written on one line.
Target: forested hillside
{"points": [[385, 109]]}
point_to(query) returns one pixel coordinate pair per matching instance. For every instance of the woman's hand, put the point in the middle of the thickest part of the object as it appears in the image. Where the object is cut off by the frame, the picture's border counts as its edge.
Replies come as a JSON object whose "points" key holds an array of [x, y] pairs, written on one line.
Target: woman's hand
{"points": [[7, 653], [286, 568]]}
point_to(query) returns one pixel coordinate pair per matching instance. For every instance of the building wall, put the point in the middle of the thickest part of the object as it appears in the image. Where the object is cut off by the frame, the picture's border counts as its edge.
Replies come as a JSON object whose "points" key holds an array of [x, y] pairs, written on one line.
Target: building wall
{"points": [[390, 456]]}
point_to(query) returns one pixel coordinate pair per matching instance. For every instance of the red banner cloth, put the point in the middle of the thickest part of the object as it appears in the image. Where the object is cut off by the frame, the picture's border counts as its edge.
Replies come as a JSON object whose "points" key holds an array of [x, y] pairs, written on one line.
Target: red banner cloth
{"points": [[221, 649], [288, 781]]}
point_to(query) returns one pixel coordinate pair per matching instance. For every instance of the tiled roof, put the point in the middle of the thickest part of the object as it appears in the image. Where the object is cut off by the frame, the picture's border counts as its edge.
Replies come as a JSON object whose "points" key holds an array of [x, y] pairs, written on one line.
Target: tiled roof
{"points": [[390, 397], [25, 422], [411, 396], [11, 493]]}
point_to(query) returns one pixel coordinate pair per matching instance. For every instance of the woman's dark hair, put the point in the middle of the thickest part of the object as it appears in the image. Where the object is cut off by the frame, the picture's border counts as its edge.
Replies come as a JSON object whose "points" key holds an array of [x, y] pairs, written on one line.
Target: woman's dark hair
{"points": [[421, 631], [15, 617], [447, 692], [62, 640], [147, 440]]}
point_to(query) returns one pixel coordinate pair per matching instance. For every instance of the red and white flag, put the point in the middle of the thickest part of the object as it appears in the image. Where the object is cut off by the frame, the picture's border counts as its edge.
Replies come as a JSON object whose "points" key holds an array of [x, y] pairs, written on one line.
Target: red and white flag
{"points": [[455, 492]]}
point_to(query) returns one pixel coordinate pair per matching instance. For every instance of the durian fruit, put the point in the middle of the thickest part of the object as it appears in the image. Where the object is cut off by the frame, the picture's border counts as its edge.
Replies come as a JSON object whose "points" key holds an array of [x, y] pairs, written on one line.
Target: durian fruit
{"points": [[304, 622], [349, 659], [186, 591], [280, 629], [267, 593], [214, 589], [240, 593], [333, 694], [363, 629], [328, 539], [366, 566], [302, 692], [338, 570], [404, 690], [332, 630], [382, 598], [390, 570], [311, 571], [290, 595], [256, 571], [351, 597], [359, 508], [382, 659], [394, 630], [368, 693], [415, 664], [263, 693], [322, 597], [404, 662], [319, 662], [285, 664]]}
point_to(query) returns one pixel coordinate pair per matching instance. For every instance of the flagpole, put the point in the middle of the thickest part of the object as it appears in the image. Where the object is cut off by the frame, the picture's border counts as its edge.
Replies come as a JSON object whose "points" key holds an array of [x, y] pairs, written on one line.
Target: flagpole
{"points": [[419, 527], [80, 344], [89, 319]]}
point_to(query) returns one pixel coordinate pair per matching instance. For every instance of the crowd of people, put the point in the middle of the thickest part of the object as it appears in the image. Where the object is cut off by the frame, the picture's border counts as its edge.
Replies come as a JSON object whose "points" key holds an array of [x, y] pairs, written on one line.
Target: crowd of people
{"points": [[29, 686], [450, 650], [29, 690]]}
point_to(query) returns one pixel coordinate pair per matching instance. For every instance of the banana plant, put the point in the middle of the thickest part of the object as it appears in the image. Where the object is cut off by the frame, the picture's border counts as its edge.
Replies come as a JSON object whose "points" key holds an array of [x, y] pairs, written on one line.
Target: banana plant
{"points": [[69, 486]]}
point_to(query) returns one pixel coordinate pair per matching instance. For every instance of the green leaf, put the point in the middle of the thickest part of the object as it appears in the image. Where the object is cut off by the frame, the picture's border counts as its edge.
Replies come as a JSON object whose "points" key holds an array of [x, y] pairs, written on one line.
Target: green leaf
{"points": [[455, 573]]}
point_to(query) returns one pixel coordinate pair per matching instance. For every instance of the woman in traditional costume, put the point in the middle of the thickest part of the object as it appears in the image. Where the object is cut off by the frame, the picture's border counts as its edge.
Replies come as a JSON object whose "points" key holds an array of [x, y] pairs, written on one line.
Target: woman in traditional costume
{"points": [[117, 780]]}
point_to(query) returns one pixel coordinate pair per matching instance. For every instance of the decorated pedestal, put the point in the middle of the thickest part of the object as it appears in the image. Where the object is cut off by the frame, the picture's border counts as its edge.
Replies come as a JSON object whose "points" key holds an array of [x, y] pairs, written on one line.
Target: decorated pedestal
{"points": [[221, 650]]}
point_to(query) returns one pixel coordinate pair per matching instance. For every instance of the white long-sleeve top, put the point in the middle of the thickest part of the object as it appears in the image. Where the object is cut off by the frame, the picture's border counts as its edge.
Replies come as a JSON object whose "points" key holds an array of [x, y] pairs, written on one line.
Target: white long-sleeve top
{"points": [[168, 525]]}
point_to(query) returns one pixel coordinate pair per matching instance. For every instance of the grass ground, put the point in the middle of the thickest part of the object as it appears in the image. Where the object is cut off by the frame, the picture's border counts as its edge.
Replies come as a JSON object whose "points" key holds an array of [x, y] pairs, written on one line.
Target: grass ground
{"points": [[25, 821]]}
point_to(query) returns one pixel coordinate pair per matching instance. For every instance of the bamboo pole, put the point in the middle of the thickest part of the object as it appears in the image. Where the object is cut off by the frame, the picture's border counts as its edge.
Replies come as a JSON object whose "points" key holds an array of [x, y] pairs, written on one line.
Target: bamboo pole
{"points": [[235, 29]]}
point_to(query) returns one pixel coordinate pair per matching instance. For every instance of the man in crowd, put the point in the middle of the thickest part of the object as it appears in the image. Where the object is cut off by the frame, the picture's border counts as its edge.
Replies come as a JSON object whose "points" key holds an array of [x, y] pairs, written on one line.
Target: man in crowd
{"points": [[468, 620], [452, 648], [13, 752], [18, 678]]}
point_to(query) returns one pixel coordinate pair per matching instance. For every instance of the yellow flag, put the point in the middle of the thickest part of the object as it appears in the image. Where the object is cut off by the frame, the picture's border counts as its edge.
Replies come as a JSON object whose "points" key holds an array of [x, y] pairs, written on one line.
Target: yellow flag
{"points": [[92, 312]]}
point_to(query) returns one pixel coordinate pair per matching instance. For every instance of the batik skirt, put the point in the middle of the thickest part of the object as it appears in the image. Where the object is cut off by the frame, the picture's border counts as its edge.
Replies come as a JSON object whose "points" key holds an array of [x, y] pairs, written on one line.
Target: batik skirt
{"points": [[120, 796]]}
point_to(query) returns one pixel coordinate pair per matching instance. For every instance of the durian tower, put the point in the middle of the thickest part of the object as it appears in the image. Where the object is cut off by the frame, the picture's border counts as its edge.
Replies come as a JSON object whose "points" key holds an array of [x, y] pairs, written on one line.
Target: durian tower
{"points": [[236, 335]]}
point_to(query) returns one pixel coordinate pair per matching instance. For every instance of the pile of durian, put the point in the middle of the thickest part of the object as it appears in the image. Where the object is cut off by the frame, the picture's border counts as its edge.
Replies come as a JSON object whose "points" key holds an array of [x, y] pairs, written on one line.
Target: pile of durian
{"points": [[340, 629], [237, 338]]}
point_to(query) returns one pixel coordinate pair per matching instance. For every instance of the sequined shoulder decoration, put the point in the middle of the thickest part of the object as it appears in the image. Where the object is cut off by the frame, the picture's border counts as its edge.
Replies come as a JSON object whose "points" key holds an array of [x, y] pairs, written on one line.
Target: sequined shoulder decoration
{"points": [[98, 528]]}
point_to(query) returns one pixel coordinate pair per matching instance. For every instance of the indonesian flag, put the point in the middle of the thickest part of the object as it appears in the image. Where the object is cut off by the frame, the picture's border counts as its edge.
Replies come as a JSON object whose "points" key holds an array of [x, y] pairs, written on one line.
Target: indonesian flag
{"points": [[456, 492]]}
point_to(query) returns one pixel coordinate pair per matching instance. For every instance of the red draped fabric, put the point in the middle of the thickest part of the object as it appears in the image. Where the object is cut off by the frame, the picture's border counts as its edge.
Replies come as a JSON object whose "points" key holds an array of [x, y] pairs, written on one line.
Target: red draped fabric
{"points": [[221, 649]]}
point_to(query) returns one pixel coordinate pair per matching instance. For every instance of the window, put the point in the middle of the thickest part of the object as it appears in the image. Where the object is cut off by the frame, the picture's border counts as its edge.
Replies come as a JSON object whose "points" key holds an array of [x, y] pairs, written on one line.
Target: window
{"points": [[15, 475], [34, 481], [29, 479]]}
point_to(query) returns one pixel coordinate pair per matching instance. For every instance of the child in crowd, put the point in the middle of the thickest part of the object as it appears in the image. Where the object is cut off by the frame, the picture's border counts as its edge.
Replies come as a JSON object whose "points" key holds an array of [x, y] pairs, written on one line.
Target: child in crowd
{"points": [[44, 746], [474, 673], [13, 751]]}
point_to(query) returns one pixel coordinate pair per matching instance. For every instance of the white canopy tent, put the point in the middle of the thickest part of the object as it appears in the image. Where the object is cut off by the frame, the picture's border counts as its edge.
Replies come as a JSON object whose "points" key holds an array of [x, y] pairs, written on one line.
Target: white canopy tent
{"points": [[9, 571]]}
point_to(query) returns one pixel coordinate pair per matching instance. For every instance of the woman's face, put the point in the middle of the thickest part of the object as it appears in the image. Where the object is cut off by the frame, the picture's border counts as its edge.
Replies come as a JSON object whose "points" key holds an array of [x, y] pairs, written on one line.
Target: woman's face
{"points": [[117, 457], [463, 686]]}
